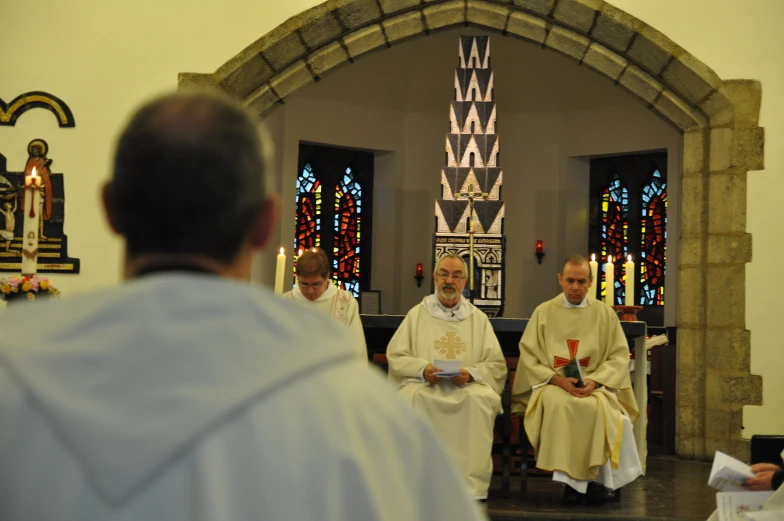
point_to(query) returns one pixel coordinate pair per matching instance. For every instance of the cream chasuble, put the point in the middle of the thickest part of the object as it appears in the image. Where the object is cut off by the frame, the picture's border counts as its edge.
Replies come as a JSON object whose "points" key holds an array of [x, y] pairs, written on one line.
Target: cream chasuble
{"points": [[462, 416], [340, 305], [576, 436]]}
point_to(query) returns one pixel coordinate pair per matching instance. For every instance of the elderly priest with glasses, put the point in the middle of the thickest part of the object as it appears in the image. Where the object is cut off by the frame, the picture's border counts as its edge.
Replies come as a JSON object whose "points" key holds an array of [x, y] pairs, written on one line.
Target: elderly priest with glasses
{"points": [[449, 365], [314, 290]]}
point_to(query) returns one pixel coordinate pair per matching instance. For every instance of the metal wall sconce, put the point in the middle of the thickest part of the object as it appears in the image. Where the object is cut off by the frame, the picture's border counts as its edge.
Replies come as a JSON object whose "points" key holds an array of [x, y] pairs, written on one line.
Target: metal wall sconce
{"points": [[419, 275], [539, 250]]}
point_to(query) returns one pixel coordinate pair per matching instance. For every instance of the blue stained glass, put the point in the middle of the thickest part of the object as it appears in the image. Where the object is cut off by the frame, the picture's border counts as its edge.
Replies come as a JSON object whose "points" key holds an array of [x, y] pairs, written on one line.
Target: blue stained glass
{"points": [[654, 241], [347, 228]]}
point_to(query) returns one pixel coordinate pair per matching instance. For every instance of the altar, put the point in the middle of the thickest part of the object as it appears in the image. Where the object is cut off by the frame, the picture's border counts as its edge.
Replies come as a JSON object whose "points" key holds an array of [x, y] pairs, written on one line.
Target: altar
{"points": [[380, 328]]}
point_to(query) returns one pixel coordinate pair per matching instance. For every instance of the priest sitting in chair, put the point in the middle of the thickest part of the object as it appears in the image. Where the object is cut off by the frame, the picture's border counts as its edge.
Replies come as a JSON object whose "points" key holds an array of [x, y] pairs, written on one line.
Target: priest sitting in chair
{"points": [[449, 365], [573, 384]]}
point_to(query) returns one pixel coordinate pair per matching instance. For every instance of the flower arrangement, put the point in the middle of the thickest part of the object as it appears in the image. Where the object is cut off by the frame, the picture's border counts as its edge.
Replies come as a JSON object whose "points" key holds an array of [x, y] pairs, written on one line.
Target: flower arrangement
{"points": [[25, 287]]}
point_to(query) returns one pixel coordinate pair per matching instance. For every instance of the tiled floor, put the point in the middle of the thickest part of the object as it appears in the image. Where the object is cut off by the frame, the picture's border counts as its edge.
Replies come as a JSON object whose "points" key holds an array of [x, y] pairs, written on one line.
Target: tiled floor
{"points": [[672, 489]]}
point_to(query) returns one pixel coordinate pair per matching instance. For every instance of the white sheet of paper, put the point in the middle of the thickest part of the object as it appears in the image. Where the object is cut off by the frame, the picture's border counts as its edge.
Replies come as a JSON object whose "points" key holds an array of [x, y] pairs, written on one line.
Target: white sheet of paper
{"points": [[728, 473], [447, 366], [656, 340], [731, 506]]}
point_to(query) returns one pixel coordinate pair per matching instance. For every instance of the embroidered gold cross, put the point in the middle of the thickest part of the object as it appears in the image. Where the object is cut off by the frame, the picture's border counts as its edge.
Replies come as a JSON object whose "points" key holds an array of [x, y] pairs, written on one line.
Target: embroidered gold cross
{"points": [[450, 345]]}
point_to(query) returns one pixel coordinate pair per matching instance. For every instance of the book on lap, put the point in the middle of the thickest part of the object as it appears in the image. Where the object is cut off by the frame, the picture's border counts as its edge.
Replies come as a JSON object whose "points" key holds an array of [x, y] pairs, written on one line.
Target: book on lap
{"points": [[573, 370]]}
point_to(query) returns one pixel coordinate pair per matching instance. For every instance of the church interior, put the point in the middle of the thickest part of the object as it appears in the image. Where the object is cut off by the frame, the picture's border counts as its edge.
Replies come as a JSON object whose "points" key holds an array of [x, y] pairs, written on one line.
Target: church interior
{"points": [[641, 130]]}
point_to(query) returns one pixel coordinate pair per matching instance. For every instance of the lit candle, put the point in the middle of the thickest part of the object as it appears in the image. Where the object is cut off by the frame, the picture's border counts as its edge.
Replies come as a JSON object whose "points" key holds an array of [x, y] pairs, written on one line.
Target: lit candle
{"points": [[609, 277], [299, 254], [32, 215], [280, 270], [629, 281], [594, 272]]}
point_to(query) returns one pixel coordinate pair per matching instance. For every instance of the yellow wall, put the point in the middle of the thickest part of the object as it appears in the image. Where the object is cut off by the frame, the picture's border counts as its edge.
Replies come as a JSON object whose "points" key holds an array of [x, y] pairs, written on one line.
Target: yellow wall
{"points": [[103, 58]]}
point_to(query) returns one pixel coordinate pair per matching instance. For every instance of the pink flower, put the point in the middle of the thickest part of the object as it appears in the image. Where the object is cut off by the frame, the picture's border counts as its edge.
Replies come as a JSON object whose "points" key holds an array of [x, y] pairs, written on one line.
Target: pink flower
{"points": [[34, 284], [13, 282]]}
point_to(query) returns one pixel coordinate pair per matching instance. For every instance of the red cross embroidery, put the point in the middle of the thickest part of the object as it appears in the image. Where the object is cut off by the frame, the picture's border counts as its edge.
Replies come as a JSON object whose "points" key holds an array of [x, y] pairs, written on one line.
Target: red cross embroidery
{"points": [[563, 362]]}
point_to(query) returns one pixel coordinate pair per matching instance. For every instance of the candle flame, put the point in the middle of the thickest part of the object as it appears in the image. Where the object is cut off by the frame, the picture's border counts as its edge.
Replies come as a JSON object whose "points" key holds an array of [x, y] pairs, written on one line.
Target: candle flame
{"points": [[609, 259], [629, 258], [300, 252], [593, 257], [34, 173], [281, 251]]}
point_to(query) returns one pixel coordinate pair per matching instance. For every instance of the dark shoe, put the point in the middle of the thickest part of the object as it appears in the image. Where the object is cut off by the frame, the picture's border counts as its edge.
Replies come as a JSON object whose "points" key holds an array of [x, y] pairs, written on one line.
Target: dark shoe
{"points": [[571, 497], [597, 494]]}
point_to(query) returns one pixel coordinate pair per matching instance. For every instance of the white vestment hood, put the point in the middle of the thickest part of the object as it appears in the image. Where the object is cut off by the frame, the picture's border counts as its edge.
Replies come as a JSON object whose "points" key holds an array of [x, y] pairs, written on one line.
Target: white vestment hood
{"points": [[130, 378]]}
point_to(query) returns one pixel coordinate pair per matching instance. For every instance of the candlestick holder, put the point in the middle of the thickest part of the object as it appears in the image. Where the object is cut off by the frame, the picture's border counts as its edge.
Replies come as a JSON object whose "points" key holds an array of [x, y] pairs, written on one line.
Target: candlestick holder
{"points": [[628, 313]]}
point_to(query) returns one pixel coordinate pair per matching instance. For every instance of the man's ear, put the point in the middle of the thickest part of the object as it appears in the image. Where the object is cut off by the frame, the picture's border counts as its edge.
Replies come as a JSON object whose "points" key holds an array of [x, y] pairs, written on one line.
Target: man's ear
{"points": [[108, 209], [266, 220]]}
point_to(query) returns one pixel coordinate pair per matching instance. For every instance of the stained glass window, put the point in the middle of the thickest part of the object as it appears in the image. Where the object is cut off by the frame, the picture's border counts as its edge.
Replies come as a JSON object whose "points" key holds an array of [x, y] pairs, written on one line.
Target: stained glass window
{"points": [[307, 220], [334, 211], [615, 232], [653, 250], [347, 238]]}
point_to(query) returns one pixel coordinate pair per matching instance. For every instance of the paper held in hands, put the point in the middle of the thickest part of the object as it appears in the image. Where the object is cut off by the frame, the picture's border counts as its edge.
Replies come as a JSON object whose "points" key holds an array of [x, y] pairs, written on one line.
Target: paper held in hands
{"points": [[728, 474], [447, 368]]}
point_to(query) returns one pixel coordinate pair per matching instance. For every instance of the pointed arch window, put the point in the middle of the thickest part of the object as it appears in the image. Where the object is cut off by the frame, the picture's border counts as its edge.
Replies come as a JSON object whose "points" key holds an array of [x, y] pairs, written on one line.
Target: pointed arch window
{"points": [[347, 234], [308, 217], [334, 211], [615, 232], [628, 216], [653, 250]]}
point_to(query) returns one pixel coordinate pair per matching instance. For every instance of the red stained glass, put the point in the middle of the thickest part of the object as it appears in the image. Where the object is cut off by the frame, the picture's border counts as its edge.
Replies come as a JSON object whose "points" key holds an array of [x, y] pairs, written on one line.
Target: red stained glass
{"points": [[347, 238], [654, 241], [615, 228]]}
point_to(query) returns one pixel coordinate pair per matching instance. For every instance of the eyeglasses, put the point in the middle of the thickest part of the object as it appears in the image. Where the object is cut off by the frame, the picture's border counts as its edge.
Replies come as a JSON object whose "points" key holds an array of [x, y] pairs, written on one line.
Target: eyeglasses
{"points": [[457, 276], [314, 285]]}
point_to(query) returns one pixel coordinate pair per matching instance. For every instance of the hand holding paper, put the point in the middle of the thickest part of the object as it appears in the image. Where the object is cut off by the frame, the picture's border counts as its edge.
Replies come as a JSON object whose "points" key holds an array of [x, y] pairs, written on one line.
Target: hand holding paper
{"points": [[728, 474], [447, 368]]}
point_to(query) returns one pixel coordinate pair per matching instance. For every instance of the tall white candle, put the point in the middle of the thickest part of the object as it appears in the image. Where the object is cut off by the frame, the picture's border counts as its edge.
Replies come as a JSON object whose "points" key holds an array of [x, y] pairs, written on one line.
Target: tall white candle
{"points": [[629, 281], [609, 277], [280, 272], [32, 216], [594, 273]]}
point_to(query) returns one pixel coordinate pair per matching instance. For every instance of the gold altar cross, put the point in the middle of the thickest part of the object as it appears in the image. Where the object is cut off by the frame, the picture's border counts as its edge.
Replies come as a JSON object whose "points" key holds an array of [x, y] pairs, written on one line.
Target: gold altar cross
{"points": [[470, 194], [450, 345]]}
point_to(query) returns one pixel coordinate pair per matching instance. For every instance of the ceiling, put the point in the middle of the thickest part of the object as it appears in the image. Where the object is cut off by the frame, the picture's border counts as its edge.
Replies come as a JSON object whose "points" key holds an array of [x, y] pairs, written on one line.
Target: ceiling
{"points": [[418, 76]]}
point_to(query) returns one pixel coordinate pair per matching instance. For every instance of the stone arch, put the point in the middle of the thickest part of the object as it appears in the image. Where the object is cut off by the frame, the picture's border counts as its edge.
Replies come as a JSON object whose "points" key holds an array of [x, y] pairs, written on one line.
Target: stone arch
{"points": [[722, 142]]}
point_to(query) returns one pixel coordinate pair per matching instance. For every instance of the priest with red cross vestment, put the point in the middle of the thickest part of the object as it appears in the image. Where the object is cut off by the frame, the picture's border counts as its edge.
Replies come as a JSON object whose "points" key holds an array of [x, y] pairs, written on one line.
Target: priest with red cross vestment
{"points": [[583, 433], [463, 401]]}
